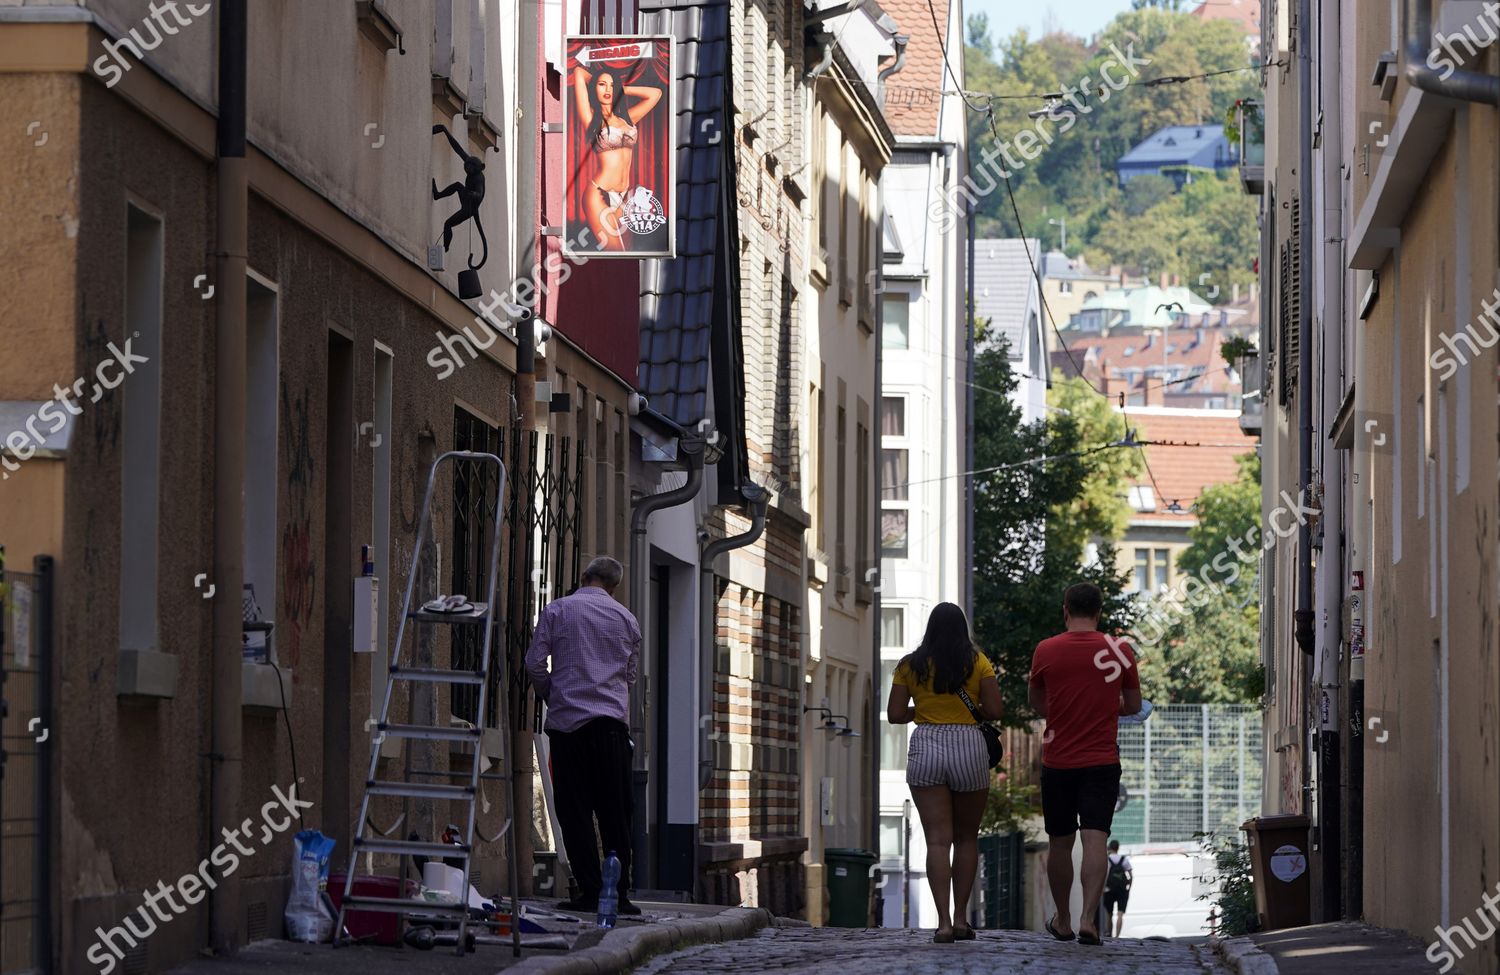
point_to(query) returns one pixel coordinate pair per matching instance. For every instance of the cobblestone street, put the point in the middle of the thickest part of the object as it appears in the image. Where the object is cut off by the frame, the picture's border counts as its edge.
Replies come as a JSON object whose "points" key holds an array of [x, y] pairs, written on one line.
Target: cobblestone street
{"points": [[837, 951]]}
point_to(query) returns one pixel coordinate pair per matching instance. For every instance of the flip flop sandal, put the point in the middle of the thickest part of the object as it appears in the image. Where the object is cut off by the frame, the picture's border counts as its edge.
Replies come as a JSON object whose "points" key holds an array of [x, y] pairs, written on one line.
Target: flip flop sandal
{"points": [[1084, 938], [964, 933], [939, 937], [1053, 931]]}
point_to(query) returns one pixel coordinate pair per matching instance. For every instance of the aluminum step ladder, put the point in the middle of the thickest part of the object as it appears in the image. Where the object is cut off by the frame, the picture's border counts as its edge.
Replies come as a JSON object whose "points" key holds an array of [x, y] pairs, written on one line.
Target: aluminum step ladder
{"points": [[482, 614]]}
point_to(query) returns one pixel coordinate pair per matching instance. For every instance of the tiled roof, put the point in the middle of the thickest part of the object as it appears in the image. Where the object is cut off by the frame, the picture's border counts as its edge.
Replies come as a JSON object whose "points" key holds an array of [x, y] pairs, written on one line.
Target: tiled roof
{"points": [[1184, 472], [677, 294], [1188, 349], [1176, 144], [1005, 287], [1246, 13], [912, 96]]}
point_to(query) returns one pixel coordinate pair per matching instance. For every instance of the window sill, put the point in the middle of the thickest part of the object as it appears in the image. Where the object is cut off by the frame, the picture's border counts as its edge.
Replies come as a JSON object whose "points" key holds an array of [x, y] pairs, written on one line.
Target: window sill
{"points": [[447, 98], [146, 675], [377, 25], [262, 687]]}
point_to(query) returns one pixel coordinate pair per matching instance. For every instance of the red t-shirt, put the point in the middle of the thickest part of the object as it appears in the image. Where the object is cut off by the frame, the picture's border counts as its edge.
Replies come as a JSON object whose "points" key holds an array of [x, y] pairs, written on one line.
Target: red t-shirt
{"points": [[1082, 673]]}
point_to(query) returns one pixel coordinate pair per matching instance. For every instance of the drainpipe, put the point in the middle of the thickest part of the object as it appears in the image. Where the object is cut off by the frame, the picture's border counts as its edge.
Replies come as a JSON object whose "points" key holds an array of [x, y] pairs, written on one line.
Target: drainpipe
{"points": [[756, 499], [1302, 614], [1327, 676], [690, 449], [900, 40], [1469, 86], [232, 192]]}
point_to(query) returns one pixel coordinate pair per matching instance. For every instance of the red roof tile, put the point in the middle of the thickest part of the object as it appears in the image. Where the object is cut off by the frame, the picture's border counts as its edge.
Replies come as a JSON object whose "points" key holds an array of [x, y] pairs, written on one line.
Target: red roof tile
{"points": [[912, 95], [1184, 472]]}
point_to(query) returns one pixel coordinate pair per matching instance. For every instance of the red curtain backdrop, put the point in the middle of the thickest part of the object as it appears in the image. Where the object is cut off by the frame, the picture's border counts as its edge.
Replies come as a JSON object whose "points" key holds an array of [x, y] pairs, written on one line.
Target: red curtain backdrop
{"points": [[651, 165]]}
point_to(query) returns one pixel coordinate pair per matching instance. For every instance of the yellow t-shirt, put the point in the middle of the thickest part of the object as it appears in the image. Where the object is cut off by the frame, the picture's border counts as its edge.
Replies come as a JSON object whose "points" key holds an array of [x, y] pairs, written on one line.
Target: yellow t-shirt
{"points": [[935, 708]]}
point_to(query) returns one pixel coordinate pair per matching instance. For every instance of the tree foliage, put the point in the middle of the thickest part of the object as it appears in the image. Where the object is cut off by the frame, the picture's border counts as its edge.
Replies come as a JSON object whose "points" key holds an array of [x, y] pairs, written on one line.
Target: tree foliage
{"points": [[1028, 544], [1206, 228]]}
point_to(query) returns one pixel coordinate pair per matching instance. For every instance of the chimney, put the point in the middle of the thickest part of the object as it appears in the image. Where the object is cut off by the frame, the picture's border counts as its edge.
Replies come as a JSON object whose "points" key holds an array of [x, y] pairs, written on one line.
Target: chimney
{"points": [[1162, 280], [1234, 294], [1199, 340], [1176, 280]]}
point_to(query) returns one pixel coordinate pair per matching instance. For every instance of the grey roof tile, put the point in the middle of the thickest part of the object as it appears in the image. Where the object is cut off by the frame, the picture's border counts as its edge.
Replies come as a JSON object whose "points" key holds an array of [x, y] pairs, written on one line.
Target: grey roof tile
{"points": [[677, 313]]}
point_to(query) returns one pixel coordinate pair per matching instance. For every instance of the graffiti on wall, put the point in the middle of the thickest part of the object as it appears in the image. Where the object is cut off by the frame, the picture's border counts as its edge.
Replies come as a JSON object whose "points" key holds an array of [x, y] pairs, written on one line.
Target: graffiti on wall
{"points": [[298, 568]]}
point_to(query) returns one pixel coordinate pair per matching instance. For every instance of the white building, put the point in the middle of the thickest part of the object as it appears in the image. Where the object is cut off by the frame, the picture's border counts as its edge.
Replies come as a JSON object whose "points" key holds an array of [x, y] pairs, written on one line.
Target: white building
{"points": [[1006, 294], [923, 400]]}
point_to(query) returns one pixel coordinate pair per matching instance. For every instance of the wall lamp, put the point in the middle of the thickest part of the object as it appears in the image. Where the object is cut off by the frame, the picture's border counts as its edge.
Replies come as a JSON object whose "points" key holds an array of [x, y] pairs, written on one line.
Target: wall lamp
{"points": [[831, 722]]}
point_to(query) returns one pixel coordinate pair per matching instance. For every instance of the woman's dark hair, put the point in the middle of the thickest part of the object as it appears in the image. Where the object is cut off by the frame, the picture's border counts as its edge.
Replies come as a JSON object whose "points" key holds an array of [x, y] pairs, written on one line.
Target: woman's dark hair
{"points": [[597, 123], [946, 652]]}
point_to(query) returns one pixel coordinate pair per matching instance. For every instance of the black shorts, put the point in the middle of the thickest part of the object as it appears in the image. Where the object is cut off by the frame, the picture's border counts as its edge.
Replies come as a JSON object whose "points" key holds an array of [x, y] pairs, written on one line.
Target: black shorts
{"points": [[1113, 899], [1079, 798]]}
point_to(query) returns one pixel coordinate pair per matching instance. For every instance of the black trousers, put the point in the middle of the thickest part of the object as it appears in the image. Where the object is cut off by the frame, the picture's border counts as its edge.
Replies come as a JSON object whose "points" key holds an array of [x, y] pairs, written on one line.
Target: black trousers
{"points": [[591, 779]]}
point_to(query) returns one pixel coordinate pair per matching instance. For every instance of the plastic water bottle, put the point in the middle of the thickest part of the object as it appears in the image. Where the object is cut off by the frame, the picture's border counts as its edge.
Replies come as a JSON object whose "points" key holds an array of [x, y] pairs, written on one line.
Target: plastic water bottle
{"points": [[609, 896]]}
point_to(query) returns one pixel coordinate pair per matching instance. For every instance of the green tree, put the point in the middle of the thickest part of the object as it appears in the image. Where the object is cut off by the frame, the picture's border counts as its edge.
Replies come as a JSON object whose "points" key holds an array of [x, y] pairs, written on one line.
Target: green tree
{"points": [[1146, 191], [1074, 175], [1027, 548], [1100, 510]]}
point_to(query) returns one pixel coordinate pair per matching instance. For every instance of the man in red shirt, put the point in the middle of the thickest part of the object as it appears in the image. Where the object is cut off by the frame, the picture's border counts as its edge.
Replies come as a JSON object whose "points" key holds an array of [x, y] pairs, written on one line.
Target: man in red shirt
{"points": [[1082, 681]]}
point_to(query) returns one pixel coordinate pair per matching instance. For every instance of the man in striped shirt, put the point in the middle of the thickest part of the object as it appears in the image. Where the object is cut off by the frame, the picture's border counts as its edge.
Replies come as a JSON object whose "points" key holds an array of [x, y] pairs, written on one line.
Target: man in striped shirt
{"points": [[594, 644]]}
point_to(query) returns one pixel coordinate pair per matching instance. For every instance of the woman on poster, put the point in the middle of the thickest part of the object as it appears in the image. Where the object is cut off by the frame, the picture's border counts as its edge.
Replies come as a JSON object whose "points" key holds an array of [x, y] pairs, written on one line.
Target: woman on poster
{"points": [[610, 135]]}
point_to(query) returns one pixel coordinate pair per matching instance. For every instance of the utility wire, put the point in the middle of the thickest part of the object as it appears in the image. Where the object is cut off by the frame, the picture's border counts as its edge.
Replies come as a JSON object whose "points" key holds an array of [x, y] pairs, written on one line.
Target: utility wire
{"points": [[943, 46]]}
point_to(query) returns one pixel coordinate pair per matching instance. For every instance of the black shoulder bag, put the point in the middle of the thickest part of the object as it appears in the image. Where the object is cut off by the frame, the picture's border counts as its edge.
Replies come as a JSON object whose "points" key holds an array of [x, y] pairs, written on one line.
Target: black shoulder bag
{"points": [[990, 732]]}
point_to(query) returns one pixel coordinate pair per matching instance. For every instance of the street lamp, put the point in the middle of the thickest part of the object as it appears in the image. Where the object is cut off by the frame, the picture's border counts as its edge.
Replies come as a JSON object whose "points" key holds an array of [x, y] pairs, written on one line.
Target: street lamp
{"points": [[1063, 223]]}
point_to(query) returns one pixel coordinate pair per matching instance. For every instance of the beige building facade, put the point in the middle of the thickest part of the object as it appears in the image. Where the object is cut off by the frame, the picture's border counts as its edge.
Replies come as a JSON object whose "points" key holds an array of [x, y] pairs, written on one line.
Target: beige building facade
{"points": [[1380, 653]]}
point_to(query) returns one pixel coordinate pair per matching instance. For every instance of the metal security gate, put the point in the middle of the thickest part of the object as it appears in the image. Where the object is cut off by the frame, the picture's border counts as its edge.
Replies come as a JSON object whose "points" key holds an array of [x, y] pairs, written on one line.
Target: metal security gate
{"points": [[1191, 768], [547, 505], [1001, 891], [25, 768], [543, 499]]}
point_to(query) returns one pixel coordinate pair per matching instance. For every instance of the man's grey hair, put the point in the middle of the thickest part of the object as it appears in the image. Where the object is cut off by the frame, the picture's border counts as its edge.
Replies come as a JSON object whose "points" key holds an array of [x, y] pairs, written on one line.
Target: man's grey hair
{"points": [[606, 570]]}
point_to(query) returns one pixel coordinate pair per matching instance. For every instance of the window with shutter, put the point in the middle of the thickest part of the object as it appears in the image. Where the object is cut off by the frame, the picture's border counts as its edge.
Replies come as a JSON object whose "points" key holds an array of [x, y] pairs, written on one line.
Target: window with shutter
{"points": [[1290, 347]]}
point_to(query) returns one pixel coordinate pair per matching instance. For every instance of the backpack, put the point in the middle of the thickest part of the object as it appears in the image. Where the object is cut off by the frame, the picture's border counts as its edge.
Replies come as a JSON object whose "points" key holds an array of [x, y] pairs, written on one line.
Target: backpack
{"points": [[1116, 883]]}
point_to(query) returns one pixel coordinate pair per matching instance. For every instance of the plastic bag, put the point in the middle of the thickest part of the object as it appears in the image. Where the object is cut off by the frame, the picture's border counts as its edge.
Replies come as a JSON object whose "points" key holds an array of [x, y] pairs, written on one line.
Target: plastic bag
{"points": [[307, 919]]}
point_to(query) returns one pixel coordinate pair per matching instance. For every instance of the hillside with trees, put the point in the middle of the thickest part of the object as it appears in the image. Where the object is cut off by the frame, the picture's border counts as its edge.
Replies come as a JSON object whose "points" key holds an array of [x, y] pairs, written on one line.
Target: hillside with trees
{"points": [[1206, 228]]}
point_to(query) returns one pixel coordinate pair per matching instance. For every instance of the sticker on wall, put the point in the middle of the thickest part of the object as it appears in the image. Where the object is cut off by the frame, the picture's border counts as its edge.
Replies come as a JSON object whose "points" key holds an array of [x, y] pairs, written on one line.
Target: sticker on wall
{"points": [[1288, 863]]}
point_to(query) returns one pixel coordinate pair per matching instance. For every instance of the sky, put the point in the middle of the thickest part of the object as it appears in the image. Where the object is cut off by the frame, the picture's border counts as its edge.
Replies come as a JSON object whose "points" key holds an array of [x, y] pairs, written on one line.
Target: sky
{"points": [[1082, 17]]}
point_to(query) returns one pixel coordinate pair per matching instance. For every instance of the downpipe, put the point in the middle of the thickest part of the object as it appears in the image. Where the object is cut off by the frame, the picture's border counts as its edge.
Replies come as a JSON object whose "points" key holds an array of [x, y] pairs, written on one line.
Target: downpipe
{"points": [[232, 190], [1327, 676], [756, 500], [1468, 86], [691, 450]]}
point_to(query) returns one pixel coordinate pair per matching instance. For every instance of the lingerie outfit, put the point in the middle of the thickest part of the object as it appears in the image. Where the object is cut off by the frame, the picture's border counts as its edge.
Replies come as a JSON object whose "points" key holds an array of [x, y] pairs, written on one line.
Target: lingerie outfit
{"points": [[612, 137]]}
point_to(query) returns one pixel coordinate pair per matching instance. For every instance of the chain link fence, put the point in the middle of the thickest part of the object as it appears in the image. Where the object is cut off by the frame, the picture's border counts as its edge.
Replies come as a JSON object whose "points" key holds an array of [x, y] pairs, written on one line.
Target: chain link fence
{"points": [[1191, 768]]}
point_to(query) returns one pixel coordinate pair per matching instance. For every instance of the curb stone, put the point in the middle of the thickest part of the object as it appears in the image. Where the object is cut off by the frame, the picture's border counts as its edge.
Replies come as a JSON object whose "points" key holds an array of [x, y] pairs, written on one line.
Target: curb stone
{"points": [[1243, 956], [624, 948]]}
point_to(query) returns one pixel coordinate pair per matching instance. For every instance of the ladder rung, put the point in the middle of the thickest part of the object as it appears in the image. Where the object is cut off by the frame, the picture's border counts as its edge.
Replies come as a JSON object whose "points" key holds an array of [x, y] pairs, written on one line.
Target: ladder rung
{"points": [[429, 732], [437, 675], [419, 790], [439, 773], [401, 905], [410, 847]]}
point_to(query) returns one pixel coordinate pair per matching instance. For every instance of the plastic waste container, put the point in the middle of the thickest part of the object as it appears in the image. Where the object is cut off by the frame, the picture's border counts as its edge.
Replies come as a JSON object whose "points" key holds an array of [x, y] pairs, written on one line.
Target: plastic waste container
{"points": [[1278, 867], [848, 873]]}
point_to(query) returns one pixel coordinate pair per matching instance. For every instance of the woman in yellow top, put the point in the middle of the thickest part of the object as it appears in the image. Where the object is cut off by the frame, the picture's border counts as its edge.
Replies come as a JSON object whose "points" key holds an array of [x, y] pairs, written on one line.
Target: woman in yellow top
{"points": [[947, 766]]}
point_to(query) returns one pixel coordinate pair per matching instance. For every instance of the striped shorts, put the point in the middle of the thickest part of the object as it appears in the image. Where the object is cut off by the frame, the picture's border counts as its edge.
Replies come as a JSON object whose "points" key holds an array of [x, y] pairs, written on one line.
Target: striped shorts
{"points": [[948, 754]]}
